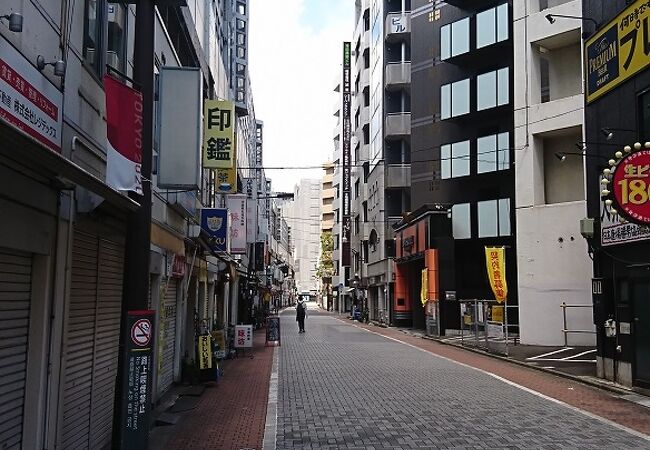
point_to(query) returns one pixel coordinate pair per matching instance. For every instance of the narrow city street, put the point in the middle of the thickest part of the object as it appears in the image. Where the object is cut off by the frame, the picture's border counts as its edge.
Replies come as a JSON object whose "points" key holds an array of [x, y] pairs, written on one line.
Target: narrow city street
{"points": [[340, 386]]}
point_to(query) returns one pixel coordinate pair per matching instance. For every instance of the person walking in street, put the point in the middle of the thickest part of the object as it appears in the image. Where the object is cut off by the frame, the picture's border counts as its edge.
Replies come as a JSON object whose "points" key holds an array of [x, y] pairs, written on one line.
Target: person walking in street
{"points": [[301, 313]]}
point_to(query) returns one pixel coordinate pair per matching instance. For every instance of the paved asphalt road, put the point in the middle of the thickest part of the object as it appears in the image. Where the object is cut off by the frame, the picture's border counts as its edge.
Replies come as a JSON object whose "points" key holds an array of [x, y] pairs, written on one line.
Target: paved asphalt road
{"points": [[341, 387]]}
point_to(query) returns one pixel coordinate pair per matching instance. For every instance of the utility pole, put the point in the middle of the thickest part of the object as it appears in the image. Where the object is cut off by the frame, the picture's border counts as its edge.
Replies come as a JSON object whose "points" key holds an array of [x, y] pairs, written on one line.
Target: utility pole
{"points": [[138, 241]]}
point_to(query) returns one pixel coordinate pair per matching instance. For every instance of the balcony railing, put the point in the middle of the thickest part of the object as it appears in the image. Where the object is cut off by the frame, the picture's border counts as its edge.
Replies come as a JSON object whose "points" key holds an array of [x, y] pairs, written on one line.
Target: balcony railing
{"points": [[398, 175], [398, 125], [398, 75]]}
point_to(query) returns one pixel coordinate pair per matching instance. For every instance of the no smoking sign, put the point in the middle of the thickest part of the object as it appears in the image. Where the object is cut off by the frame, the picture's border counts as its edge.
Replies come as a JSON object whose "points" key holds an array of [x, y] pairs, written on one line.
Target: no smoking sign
{"points": [[141, 332]]}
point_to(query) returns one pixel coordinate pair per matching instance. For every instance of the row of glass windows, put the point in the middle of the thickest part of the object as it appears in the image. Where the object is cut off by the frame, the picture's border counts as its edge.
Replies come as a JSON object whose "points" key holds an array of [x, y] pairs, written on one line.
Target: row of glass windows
{"points": [[493, 153], [492, 90], [493, 219], [491, 27]]}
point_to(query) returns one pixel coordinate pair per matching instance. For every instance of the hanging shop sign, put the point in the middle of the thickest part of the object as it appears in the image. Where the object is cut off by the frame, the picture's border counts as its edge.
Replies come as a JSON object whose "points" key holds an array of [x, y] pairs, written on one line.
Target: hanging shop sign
{"points": [[218, 134], [495, 260], [237, 209], [619, 50], [28, 101], [205, 351], [347, 155], [626, 189], [214, 222], [136, 379]]}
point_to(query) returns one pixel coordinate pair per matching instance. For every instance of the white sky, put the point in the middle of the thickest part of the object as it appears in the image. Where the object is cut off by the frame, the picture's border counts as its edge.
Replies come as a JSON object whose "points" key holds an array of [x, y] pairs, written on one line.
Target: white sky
{"points": [[295, 49]]}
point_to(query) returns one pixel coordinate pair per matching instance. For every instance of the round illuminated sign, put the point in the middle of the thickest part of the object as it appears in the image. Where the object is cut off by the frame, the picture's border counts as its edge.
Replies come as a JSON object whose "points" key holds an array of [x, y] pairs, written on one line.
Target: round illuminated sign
{"points": [[630, 187]]}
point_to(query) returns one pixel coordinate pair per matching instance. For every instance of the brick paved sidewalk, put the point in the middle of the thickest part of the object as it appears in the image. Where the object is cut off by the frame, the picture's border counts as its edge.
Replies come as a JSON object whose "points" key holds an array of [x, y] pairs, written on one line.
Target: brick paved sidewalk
{"points": [[231, 415], [595, 401]]}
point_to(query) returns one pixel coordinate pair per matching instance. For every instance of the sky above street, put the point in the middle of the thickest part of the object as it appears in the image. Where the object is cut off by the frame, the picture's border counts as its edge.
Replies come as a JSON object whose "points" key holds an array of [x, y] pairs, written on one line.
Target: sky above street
{"points": [[295, 51]]}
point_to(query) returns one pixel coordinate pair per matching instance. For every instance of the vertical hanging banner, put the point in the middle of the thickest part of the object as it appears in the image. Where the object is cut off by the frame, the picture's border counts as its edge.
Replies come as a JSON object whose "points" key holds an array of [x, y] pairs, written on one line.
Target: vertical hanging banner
{"points": [[347, 163], [218, 134], [124, 136], [214, 222], [495, 260], [136, 400], [236, 205], [205, 351], [424, 290]]}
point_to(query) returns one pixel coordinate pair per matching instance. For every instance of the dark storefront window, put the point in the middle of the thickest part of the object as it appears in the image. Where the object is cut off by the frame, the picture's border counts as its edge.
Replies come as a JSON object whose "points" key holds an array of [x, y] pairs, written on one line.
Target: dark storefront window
{"points": [[644, 116]]}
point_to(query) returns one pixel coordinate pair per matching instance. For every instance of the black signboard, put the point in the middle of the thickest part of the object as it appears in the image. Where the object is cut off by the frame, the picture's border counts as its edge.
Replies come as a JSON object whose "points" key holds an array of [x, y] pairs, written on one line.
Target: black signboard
{"points": [[136, 379], [347, 137], [273, 330]]}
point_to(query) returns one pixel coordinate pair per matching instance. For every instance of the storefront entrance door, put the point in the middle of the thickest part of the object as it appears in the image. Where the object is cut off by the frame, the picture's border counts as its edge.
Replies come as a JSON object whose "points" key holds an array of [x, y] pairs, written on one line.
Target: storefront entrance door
{"points": [[641, 293]]}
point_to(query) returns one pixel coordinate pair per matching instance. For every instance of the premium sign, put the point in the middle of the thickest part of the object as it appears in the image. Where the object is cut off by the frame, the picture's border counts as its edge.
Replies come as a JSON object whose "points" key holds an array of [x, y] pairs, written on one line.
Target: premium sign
{"points": [[214, 222], [28, 101], [219, 134], [619, 51], [237, 208], [124, 136], [495, 259], [347, 163], [631, 187]]}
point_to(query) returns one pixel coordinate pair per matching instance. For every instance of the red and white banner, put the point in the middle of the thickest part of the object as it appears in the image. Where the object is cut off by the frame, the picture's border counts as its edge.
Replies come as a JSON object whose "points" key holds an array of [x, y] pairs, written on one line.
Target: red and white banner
{"points": [[124, 123]]}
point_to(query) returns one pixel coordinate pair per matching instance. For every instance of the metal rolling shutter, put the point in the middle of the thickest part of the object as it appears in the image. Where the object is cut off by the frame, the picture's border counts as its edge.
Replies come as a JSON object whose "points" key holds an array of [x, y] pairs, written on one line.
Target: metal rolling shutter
{"points": [[92, 342], [107, 340], [15, 292], [168, 311]]}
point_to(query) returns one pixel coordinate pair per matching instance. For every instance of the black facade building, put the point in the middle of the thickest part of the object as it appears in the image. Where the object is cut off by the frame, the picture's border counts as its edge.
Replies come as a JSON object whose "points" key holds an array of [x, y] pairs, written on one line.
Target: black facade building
{"points": [[462, 139], [621, 252]]}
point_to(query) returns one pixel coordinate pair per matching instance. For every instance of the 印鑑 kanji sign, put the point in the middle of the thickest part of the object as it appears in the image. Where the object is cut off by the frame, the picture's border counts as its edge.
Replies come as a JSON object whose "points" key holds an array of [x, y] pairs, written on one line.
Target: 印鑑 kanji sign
{"points": [[218, 134], [495, 260]]}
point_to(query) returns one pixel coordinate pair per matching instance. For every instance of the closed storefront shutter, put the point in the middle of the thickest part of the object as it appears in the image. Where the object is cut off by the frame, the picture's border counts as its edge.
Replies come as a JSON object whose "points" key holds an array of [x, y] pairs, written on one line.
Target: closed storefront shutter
{"points": [[91, 342], [15, 293], [168, 342]]}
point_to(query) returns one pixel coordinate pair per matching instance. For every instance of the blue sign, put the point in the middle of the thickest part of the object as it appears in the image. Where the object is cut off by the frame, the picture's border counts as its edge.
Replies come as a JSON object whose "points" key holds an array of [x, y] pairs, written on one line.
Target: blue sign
{"points": [[214, 222]]}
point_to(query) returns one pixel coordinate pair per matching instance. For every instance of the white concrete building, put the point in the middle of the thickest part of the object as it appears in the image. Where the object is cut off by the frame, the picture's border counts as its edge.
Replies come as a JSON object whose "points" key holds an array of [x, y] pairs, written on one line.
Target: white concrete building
{"points": [[553, 264], [303, 217]]}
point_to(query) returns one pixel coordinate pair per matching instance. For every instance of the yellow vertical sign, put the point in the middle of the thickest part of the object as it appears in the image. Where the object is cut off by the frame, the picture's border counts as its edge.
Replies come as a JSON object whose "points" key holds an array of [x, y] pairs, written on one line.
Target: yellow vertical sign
{"points": [[495, 259], [425, 286], [218, 134], [205, 352], [226, 179]]}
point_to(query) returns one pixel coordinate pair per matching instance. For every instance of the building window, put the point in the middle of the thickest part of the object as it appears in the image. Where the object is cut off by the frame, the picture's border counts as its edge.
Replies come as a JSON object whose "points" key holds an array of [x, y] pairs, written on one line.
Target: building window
{"points": [[644, 116], [241, 9], [454, 99], [461, 221], [356, 189], [492, 89], [493, 152], [454, 160], [545, 80], [492, 26], [454, 39], [116, 48], [494, 218], [92, 44]]}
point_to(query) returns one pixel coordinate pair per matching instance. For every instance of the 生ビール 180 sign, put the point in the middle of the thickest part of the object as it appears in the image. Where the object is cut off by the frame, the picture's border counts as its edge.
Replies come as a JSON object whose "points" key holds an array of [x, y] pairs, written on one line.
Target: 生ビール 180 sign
{"points": [[631, 187], [626, 184]]}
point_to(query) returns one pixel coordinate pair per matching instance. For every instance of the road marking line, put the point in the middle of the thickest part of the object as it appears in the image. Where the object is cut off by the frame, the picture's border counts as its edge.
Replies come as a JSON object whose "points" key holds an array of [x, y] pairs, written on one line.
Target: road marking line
{"points": [[271, 425], [550, 353], [580, 354], [523, 388], [565, 360]]}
